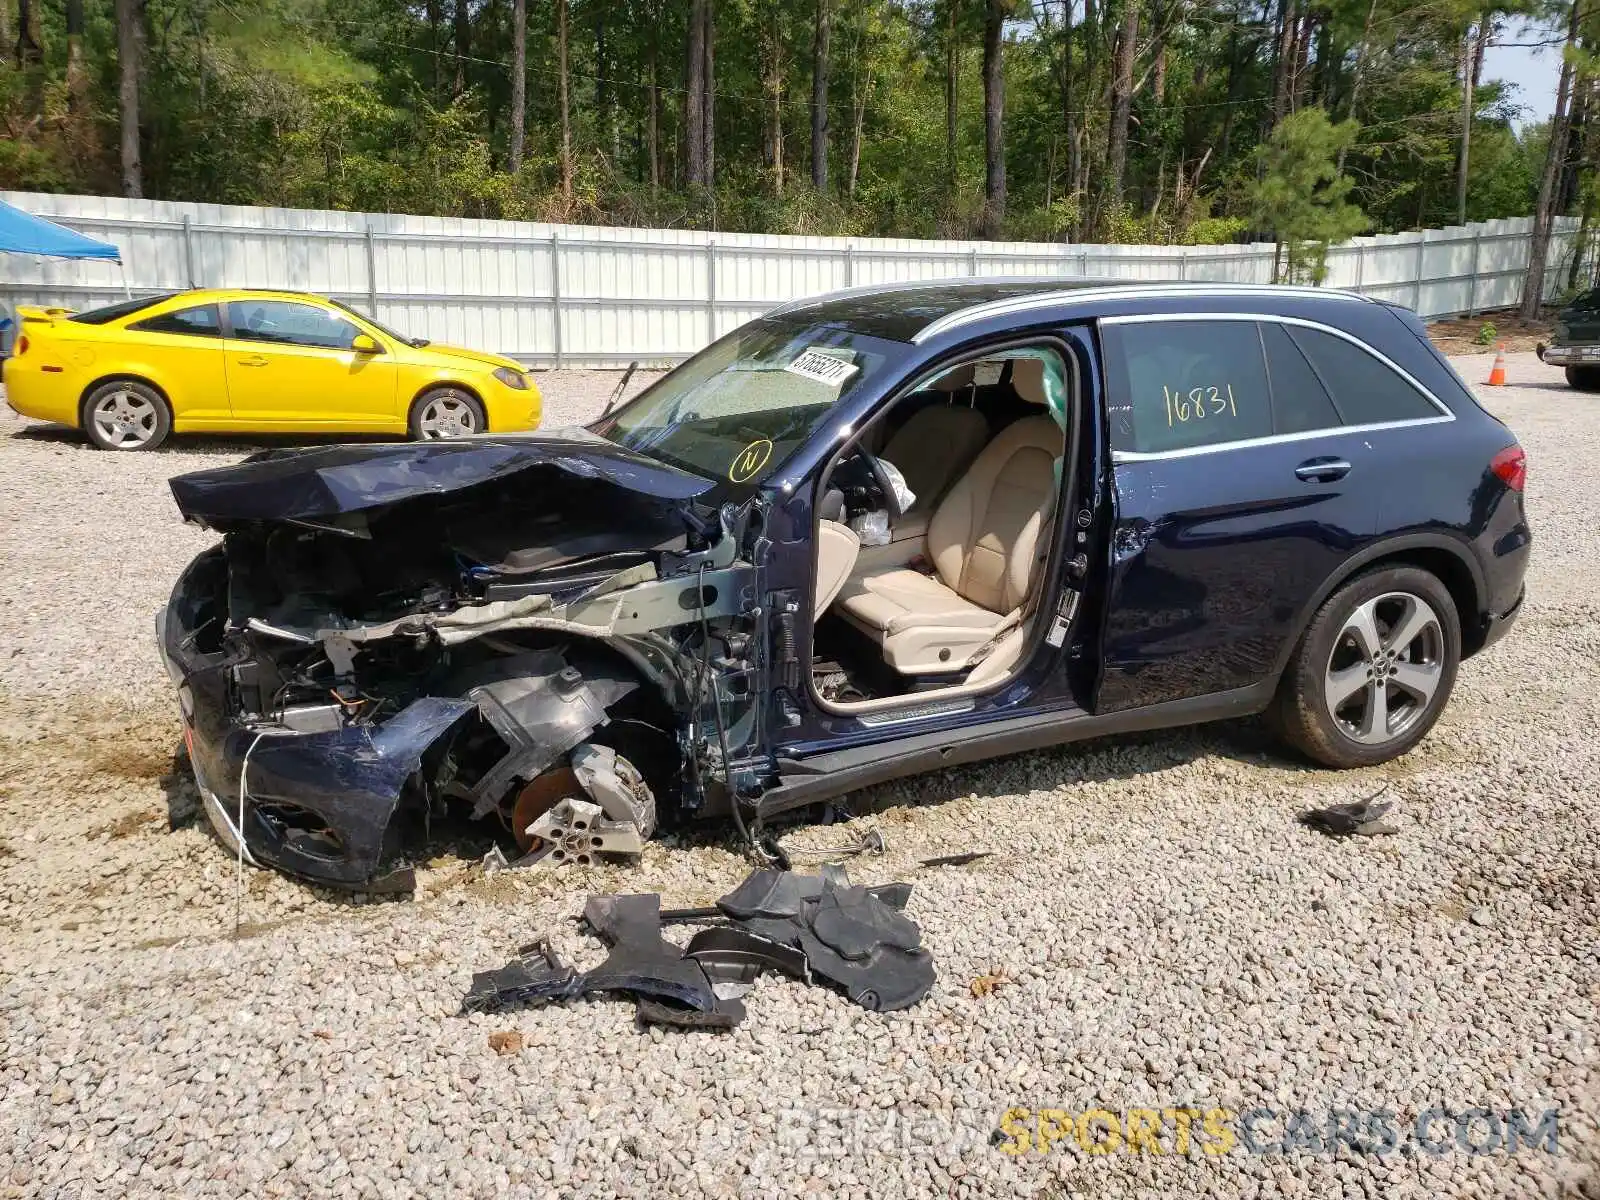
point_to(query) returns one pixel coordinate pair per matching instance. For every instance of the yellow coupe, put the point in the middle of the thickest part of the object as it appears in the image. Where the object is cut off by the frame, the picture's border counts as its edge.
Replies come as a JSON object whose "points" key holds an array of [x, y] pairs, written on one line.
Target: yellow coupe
{"points": [[215, 361]]}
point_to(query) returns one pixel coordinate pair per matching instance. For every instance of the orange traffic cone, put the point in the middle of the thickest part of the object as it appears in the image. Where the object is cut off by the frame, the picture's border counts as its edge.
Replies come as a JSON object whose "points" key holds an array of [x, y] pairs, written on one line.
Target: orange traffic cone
{"points": [[1497, 373]]}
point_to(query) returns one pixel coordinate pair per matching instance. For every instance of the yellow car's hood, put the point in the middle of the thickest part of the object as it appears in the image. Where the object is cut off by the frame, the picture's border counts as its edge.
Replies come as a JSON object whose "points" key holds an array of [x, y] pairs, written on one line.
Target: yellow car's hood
{"points": [[481, 357]]}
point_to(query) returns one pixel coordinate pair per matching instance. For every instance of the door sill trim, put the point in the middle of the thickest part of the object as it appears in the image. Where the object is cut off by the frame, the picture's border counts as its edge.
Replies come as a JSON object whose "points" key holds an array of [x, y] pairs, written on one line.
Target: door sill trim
{"points": [[823, 776]]}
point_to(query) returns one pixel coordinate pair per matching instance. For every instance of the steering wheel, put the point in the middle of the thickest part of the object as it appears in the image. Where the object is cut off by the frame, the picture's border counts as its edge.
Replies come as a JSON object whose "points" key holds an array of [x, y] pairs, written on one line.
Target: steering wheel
{"points": [[891, 496]]}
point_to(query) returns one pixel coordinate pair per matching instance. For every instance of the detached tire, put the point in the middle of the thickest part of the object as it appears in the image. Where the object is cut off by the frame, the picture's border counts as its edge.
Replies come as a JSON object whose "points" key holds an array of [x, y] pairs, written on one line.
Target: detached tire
{"points": [[124, 414], [445, 413], [1373, 670], [1584, 379]]}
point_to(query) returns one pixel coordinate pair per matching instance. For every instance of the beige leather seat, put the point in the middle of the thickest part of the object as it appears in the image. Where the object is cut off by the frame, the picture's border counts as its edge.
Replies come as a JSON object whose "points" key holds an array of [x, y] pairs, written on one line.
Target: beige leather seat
{"points": [[986, 544], [837, 548], [934, 447]]}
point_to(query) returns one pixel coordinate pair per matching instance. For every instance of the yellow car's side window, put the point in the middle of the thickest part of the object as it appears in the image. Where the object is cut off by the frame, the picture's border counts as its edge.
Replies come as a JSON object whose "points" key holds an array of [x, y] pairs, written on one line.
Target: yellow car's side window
{"points": [[200, 321], [287, 323]]}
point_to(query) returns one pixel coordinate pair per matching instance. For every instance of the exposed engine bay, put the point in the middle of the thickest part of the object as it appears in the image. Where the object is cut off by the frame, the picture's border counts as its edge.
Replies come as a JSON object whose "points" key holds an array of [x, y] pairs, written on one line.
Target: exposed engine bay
{"points": [[548, 634]]}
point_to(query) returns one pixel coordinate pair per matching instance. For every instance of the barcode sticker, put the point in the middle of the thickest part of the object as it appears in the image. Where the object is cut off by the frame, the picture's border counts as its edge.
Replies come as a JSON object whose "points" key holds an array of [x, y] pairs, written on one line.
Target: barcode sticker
{"points": [[823, 367]]}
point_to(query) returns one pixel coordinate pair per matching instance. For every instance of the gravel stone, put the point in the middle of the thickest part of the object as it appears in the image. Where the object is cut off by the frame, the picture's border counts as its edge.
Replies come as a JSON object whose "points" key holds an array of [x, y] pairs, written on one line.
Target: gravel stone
{"points": [[1155, 930]]}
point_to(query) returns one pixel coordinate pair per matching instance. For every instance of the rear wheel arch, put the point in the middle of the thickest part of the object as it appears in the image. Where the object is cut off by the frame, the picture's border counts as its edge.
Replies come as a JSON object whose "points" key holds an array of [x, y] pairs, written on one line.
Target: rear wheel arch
{"points": [[95, 385], [1444, 558]]}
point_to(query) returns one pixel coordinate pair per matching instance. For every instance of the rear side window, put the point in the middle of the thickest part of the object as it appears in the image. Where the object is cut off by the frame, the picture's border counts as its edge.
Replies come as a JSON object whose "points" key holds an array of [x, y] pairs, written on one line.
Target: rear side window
{"points": [[200, 321], [1367, 391], [122, 308], [1176, 385], [1300, 403]]}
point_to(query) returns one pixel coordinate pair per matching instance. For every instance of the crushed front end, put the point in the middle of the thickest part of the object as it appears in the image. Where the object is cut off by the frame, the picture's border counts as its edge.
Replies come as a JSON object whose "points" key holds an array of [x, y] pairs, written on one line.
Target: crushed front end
{"points": [[503, 629]]}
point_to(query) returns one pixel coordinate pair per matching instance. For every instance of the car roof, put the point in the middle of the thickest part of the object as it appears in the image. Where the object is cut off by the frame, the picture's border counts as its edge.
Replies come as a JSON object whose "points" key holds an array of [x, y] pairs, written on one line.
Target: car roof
{"points": [[918, 312], [205, 294]]}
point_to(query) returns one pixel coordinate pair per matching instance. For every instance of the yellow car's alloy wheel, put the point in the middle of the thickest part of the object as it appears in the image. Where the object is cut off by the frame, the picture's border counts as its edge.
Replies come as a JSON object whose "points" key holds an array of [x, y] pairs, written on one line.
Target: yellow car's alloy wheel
{"points": [[447, 414]]}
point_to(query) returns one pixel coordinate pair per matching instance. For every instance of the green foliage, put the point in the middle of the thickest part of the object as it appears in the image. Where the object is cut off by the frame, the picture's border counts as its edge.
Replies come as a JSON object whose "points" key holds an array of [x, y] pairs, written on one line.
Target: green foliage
{"points": [[1215, 231], [355, 104], [1301, 196], [1486, 334]]}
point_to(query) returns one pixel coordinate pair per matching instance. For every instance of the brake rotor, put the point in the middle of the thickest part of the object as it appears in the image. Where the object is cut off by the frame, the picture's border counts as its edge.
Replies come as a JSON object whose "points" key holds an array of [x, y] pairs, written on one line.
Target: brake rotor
{"points": [[541, 795]]}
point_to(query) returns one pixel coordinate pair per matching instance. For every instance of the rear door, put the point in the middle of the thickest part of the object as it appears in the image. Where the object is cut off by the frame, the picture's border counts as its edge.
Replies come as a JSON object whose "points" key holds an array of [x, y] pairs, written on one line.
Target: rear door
{"points": [[289, 363], [1238, 490]]}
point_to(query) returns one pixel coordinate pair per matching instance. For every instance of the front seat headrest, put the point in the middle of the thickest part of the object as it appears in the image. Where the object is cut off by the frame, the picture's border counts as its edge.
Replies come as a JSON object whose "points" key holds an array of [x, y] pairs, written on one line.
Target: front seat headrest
{"points": [[1027, 380], [957, 379]]}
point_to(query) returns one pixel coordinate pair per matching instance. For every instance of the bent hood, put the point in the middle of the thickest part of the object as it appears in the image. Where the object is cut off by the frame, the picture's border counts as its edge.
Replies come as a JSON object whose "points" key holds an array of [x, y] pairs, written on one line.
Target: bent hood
{"points": [[316, 486]]}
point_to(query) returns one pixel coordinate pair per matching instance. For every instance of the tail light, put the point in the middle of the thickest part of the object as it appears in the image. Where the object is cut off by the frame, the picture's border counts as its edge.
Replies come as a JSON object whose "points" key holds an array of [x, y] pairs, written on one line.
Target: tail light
{"points": [[1511, 466], [21, 347]]}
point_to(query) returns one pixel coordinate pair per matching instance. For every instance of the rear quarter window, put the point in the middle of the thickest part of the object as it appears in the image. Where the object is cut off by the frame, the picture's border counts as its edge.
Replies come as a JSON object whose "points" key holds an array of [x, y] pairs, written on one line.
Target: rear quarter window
{"points": [[1176, 385], [200, 321], [1367, 390]]}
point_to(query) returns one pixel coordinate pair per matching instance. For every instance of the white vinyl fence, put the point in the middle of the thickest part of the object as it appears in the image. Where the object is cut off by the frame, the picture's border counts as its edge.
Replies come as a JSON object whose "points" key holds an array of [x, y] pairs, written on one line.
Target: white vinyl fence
{"points": [[579, 296]]}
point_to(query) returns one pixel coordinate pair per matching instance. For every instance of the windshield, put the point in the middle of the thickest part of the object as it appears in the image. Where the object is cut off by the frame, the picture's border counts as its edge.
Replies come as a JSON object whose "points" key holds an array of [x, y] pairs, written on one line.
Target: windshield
{"points": [[735, 411]]}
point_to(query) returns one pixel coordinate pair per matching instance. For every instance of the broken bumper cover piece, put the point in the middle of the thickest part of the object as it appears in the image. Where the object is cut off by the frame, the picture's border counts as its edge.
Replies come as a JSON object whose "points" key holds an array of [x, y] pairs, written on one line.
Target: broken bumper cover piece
{"points": [[805, 926], [320, 806]]}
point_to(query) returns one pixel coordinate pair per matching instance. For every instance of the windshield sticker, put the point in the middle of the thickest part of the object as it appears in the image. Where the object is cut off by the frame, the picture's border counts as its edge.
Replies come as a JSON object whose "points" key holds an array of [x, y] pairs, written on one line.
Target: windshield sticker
{"points": [[823, 367], [750, 460]]}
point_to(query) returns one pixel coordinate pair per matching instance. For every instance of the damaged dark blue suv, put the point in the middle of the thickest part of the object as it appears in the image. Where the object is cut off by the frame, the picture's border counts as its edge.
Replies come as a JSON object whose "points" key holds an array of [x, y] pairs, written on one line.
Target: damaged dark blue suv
{"points": [[867, 535]]}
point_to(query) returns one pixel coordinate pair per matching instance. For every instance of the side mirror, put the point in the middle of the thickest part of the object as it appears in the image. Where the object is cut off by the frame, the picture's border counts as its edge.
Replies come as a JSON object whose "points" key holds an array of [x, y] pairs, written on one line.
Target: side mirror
{"points": [[365, 344]]}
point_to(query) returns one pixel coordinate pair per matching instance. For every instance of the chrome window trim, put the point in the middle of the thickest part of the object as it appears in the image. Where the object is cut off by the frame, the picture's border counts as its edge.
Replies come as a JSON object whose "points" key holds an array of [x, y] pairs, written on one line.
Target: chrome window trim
{"points": [[1131, 456], [1158, 291], [1445, 416]]}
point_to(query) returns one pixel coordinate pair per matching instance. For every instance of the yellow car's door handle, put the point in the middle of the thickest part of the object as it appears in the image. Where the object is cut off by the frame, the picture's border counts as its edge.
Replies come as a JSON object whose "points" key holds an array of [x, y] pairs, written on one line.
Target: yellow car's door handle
{"points": [[252, 360]]}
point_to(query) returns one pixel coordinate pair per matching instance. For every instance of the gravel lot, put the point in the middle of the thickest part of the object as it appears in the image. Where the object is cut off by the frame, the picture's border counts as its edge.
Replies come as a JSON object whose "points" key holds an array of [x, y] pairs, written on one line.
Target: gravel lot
{"points": [[1157, 930]]}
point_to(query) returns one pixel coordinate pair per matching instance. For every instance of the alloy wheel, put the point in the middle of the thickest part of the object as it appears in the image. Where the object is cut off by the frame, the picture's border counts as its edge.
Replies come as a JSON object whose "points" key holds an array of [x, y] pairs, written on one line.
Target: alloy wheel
{"points": [[447, 416], [125, 420], [1386, 666]]}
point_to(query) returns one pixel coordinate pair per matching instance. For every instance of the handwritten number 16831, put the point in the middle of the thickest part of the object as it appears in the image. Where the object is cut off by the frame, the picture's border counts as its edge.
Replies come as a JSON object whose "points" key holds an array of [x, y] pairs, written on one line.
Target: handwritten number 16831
{"points": [[1198, 403]]}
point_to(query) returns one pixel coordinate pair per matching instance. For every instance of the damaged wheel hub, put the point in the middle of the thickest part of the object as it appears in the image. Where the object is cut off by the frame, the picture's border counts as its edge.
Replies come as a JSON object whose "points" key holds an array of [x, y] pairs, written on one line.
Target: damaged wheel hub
{"points": [[539, 797], [599, 804]]}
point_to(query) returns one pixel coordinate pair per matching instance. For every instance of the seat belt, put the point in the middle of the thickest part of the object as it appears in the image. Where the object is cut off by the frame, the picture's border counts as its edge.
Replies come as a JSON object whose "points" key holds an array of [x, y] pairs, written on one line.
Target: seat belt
{"points": [[1013, 617], [1006, 626]]}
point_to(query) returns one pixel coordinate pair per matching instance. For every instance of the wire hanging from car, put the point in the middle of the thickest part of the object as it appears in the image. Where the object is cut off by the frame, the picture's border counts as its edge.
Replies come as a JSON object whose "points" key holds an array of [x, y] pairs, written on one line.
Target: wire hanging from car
{"points": [[238, 834], [716, 708]]}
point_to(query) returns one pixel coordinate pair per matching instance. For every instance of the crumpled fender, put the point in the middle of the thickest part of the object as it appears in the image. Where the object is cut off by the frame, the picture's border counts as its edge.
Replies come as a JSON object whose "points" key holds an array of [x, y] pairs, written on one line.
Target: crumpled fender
{"points": [[350, 780]]}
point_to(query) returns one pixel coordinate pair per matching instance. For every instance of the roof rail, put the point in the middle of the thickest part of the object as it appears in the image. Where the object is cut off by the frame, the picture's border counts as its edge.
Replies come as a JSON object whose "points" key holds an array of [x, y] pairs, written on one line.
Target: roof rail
{"points": [[1153, 289]]}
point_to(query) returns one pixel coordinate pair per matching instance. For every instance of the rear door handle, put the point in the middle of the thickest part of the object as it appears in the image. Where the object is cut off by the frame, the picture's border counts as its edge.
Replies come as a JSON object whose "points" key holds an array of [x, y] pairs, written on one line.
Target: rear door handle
{"points": [[253, 360], [1323, 470]]}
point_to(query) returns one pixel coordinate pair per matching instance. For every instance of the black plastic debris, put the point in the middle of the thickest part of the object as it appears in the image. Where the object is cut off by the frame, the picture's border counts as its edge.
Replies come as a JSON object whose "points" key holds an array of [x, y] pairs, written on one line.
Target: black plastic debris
{"points": [[956, 860], [808, 927], [850, 937], [645, 965], [1367, 817], [739, 956], [535, 976]]}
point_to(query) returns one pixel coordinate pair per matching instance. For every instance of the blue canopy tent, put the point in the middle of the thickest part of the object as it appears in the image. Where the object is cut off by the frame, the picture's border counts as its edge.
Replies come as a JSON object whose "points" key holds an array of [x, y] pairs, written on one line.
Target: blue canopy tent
{"points": [[24, 233]]}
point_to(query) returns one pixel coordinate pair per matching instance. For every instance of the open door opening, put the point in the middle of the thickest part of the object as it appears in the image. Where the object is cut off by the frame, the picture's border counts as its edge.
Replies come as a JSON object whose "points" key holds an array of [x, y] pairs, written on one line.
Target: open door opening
{"points": [[936, 526]]}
